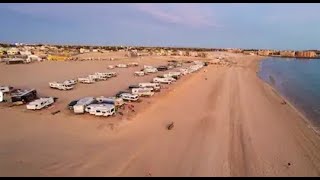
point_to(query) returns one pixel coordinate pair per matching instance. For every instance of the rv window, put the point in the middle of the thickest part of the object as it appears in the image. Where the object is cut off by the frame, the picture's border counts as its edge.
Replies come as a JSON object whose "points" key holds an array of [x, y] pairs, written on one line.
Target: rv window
{"points": [[98, 111]]}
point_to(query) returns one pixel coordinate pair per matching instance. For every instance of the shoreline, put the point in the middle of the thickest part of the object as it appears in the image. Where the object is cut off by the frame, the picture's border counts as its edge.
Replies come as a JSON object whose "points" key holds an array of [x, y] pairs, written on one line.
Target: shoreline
{"points": [[308, 122]]}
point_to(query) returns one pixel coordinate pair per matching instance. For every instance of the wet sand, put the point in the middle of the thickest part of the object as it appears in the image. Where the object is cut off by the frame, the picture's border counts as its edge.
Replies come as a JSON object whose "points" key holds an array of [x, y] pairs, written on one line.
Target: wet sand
{"points": [[227, 122]]}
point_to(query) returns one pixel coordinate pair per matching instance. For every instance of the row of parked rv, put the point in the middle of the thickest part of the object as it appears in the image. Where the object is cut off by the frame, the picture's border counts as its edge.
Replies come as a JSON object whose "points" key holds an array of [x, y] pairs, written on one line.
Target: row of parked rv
{"points": [[133, 64], [99, 106], [150, 69], [108, 106]]}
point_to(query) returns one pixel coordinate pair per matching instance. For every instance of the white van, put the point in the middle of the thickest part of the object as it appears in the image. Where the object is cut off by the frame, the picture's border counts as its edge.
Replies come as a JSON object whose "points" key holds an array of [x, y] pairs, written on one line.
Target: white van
{"points": [[155, 86], [129, 97], [143, 91], [40, 103], [101, 109], [82, 103]]}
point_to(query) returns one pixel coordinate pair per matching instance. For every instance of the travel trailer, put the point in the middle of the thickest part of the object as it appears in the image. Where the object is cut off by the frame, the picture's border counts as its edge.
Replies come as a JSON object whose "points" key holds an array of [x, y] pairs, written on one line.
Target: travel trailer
{"points": [[170, 77], [71, 104], [150, 70], [79, 108], [155, 86], [129, 97], [23, 96], [101, 109], [161, 80], [139, 73], [86, 80], [122, 66], [143, 91], [40, 103], [60, 86], [111, 67], [110, 100]]}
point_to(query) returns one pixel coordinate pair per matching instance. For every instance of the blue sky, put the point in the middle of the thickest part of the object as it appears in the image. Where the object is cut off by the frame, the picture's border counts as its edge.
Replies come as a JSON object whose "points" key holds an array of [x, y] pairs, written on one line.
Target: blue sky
{"points": [[234, 25]]}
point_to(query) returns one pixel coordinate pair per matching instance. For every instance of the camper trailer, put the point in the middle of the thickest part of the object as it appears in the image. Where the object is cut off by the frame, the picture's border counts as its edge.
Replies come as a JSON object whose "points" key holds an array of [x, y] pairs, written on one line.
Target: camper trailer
{"points": [[86, 80], [110, 100], [150, 70], [122, 66], [129, 97], [161, 80], [139, 73], [143, 91], [40, 103], [79, 108], [101, 109], [60, 86], [155, 86], [23, 96], [111, 67]]}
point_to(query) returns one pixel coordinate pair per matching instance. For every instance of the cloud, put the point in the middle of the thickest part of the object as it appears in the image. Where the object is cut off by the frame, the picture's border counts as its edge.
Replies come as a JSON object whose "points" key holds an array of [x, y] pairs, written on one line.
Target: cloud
{"points": [[192, 15]]}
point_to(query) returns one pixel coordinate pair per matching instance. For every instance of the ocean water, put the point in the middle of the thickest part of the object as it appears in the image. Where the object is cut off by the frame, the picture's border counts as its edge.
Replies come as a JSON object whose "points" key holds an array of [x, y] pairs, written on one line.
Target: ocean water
{"points": [[298, 80]]}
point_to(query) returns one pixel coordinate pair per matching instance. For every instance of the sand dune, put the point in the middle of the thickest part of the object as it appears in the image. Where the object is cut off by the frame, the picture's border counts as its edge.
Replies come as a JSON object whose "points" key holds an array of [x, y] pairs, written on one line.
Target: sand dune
{"points": [[227, 123]]}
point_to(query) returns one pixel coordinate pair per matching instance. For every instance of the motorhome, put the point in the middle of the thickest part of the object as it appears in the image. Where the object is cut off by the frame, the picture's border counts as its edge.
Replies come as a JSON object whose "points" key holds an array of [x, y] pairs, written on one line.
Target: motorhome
{"points": [[112, 74], [161, 80], [129, 97], [70, 82], [110, 100], [94, 77], [86, 80], [122, 66], [142, 91], [169, 77], [155, 86], [40, 103], [79, 108], [139, 73], [101, 109], [60, 86]]}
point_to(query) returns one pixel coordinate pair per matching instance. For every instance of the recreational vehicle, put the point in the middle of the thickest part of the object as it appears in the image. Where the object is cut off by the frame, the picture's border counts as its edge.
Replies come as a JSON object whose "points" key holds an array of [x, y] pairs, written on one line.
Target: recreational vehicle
{"points": [[70, 82], [129, 97], [82, 103], [122, 66], [60, 86], [40, 103], [139, 73], [101, 109], [110, 100], [161, 80], [150, 70], [142, 91], [155, 86], [5, 89], [86, 80]]}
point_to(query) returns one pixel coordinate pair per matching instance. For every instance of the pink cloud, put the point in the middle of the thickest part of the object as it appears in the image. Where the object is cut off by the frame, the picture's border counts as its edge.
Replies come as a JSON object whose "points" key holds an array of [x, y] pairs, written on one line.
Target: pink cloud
{"points": [[194, 15]]}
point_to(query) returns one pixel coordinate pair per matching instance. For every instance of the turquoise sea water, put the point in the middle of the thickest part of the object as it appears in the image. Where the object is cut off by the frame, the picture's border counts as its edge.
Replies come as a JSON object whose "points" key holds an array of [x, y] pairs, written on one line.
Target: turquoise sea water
{"points": [[298, 80]]}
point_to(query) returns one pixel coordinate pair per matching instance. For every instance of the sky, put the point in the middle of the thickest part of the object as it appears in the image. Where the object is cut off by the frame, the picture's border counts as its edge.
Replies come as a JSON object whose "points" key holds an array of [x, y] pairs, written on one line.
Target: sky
{"points": [[214, 25]]}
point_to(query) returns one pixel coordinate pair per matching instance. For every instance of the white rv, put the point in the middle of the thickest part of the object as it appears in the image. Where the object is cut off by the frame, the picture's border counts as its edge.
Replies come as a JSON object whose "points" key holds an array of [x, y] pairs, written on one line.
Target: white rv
{"points": [[161, 80], [70, 82], [122, 66], [101, 109], [5, 89], [111, 67], [86, 80], [111, 74], [142, 91], [1, 96], [150, 70], [110, 100], [94, 77], [155, 86], [40, 103], [82, 103], [139, 73], [169, 77], [60, 86], [129, 97]]}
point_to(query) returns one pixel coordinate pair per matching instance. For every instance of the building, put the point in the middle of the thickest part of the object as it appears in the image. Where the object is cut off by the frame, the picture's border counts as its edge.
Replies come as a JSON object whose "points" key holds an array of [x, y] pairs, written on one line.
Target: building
{"points": [[288, 53], [309, 54]]}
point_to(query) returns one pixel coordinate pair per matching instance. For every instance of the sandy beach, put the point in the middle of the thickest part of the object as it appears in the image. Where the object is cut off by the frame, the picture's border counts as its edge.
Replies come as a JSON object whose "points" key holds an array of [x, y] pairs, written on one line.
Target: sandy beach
{"points": [[228, 122]]}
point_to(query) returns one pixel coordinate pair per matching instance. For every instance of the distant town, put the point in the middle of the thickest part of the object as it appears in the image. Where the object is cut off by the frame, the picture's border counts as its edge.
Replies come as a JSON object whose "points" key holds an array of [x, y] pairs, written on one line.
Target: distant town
{"points": [[19, 52]]}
